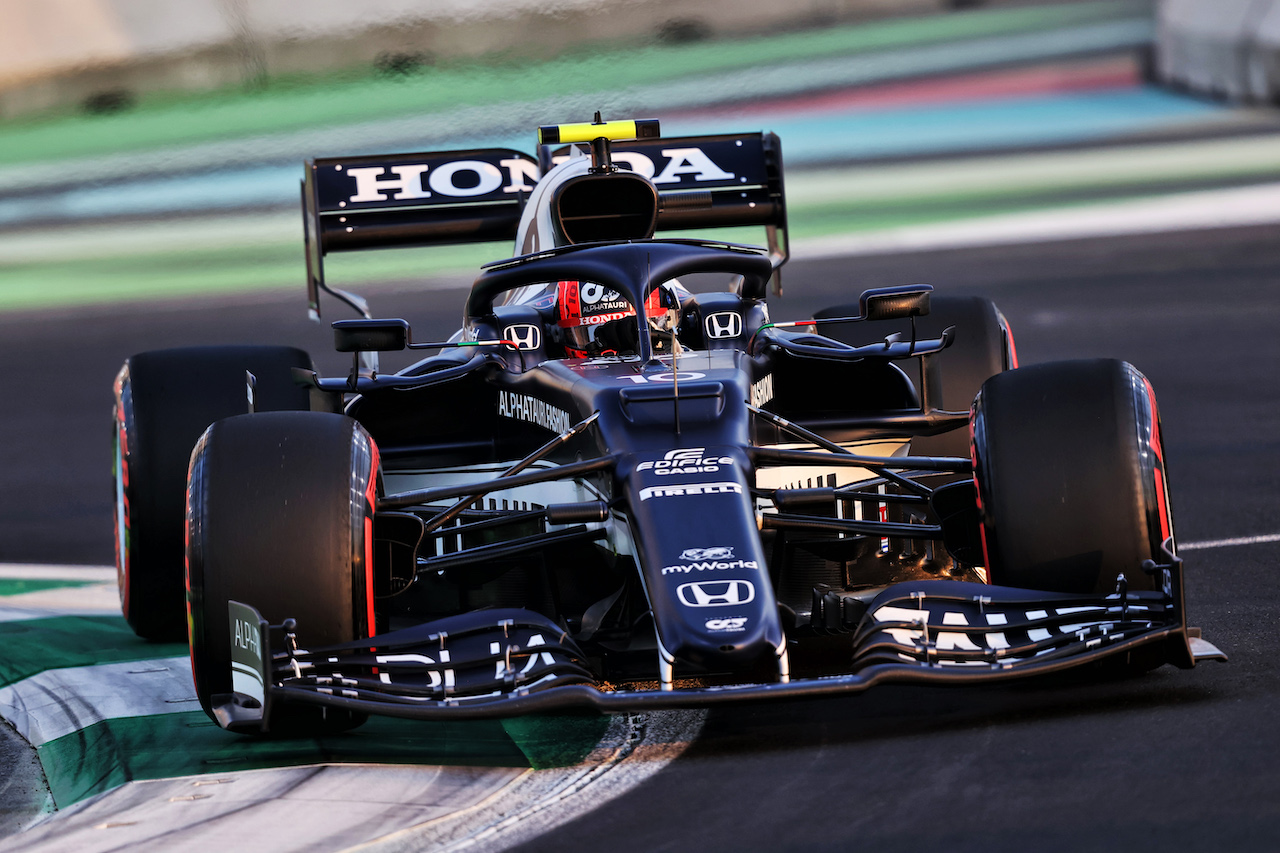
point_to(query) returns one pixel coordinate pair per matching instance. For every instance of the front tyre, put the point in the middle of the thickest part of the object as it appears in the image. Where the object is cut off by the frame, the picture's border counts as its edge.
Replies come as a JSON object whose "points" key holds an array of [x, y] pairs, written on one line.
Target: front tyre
{"points": [[1069, 467], [280, 517]]}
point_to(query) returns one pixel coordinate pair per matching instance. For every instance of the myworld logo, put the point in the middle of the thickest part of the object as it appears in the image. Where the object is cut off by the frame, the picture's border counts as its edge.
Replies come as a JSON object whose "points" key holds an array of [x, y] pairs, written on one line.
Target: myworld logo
{"points": [[710, 566], [708, 560]]}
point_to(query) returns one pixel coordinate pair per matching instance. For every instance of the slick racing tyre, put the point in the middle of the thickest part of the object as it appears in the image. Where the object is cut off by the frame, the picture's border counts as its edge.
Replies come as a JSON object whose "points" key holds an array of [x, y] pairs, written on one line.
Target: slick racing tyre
{"points": [[982, 348], [1069, 467], [280, 518], [164, 399]]}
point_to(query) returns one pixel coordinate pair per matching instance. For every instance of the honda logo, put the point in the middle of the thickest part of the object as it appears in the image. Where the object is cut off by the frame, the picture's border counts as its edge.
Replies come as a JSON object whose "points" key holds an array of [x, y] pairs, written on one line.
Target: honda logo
{"points": [[724, 324], [716, 593], [524, 336]]}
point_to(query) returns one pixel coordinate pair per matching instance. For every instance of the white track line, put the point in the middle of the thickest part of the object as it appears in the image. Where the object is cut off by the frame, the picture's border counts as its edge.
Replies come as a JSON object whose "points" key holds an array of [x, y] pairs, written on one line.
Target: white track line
{"points": [[1228, 543]]}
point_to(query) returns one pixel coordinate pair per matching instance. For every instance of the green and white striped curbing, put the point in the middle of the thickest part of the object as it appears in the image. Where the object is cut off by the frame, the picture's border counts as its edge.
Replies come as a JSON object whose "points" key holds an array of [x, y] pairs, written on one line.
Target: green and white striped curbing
{"points": [[132, 762], [60, 702], [103, 707]]}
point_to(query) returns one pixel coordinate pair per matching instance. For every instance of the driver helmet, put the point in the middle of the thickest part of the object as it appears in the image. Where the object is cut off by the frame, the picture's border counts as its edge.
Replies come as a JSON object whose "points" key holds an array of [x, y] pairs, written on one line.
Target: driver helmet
{"points": [[596, 320]]}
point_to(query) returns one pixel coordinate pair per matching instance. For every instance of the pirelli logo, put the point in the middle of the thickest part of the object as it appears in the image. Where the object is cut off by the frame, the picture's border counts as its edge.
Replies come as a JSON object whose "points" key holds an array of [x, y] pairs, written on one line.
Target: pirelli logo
{"points": [[681, 489]]}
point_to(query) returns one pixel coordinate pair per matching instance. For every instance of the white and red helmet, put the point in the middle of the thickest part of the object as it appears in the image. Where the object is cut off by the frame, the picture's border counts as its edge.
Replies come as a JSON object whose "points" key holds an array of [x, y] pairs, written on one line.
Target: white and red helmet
{"points": [[597, 320]]}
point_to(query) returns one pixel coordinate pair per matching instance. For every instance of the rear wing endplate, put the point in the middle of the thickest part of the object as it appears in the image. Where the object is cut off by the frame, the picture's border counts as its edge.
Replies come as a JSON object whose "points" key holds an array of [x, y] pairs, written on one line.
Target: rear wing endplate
{"points": [[389, 200], [477, 195]]}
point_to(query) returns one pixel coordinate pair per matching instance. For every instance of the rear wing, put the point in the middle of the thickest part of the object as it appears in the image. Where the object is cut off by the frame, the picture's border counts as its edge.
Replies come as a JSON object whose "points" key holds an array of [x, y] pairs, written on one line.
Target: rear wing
{"points": [[477, 195]]}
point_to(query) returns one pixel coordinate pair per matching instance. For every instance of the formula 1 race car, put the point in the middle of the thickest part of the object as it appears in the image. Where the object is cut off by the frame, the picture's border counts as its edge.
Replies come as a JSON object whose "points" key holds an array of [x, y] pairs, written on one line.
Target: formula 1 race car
{"points": [[608, 490]]}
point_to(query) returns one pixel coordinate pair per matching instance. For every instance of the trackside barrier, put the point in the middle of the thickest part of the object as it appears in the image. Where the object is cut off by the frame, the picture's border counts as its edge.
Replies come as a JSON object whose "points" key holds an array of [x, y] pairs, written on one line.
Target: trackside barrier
{"points": [[1225, 48]]}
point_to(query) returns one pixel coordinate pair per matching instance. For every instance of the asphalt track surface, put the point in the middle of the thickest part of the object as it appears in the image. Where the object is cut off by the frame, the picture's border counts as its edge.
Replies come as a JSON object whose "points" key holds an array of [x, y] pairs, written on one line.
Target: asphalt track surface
{"points": [[1170, 760]]}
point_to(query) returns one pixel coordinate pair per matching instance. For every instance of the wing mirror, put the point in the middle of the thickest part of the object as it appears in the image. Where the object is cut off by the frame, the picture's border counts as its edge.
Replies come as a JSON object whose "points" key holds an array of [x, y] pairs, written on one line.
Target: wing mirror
{"points": [[371, 335], [891, 303]]}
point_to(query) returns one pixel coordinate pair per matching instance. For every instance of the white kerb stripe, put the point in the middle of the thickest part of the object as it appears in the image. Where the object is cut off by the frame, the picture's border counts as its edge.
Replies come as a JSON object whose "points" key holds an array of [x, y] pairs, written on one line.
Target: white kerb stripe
{"points": [[58, 702], [34, 571]]}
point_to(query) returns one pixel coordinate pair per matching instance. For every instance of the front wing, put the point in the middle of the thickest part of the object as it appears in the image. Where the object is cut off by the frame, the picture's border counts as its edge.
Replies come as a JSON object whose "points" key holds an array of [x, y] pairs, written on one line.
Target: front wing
{"points": [[500, 663]]}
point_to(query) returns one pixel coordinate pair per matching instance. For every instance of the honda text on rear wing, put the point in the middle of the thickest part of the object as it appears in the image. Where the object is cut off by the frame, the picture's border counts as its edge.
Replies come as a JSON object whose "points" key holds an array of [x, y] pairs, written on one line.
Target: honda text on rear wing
{"points": [[478, 195]]}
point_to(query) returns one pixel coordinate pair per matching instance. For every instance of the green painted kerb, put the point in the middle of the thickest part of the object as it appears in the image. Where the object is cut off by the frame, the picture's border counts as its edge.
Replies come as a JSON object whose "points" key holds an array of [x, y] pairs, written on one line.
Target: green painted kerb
{"points": [[31, 646], [113, 752], [16, 586]]}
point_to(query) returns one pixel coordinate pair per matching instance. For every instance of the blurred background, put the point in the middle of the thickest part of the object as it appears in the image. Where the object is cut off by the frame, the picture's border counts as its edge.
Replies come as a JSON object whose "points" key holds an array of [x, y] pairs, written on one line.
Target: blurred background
{"points": [[152, 148]]}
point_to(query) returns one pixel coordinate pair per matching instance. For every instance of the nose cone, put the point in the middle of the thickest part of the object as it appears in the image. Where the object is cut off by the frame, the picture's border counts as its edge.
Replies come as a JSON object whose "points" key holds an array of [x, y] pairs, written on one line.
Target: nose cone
{"points": [[693, 520]]}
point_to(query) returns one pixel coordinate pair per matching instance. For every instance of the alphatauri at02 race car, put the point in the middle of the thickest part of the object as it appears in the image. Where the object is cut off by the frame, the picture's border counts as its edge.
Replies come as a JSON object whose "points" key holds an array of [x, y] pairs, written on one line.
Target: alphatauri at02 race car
{"points": [[609, 491]]}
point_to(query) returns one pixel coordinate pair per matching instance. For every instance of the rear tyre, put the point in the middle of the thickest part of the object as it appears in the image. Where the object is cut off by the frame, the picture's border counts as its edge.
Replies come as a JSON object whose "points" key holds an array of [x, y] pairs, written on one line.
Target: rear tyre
{"points": [[1069, 467], [280, 517], [164, 399], [982, 348]]}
